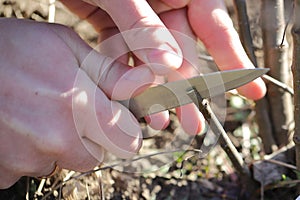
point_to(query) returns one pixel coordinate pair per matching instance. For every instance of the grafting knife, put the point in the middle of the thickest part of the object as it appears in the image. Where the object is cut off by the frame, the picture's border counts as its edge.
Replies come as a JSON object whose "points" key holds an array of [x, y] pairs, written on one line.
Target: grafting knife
{"points": [[174, 94]]}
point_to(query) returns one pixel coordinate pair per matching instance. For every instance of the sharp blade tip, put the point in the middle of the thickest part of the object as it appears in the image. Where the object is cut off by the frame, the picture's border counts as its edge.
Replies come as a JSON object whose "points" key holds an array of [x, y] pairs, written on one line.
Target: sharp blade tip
{"points": [[263, 70]]}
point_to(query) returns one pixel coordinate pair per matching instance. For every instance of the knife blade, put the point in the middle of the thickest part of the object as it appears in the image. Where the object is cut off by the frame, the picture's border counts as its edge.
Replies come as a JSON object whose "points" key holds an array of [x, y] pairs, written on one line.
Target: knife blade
{"points": [[174, 94]]}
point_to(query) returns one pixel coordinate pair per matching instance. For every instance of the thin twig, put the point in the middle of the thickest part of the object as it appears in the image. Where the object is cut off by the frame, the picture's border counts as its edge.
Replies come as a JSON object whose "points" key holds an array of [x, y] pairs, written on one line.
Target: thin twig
{"points": [[277, 162], [27, 188], [40, 188], [101, 188], [287, 23], [87, 191], [262, 192], [244, 31], [269, 78], [217, 128], [282, 184], [182, 164], [237, 161], [121, 163], [51, 12], [280, 84], [57, 185]]}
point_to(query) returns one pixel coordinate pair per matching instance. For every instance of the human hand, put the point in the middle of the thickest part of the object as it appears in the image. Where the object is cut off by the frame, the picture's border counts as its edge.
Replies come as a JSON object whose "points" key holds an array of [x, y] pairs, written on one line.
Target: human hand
{"points": [[207, 20], [52, 112]]}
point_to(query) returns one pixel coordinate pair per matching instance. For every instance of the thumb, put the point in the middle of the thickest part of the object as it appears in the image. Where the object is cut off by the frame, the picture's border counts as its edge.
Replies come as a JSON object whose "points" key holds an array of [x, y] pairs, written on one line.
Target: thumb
{"points": [[102, 122], [117, 80], [98, 120]]}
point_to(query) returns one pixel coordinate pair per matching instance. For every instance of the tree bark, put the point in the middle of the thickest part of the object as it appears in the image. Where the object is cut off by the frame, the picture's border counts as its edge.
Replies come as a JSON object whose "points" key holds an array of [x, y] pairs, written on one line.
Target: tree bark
{"points": [[276, 57], [262, 112], [296, 79]]}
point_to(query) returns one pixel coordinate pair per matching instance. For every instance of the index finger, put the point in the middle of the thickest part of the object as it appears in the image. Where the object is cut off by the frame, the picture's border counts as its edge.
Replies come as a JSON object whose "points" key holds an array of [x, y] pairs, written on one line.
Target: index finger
{"points": [[212, 24], [146, 30]]}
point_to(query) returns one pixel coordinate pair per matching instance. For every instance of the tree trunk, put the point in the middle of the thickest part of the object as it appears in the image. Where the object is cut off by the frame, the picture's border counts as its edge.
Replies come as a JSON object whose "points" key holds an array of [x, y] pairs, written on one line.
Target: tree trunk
{"points": [[296, 79], [261, 108], [276, 58]]}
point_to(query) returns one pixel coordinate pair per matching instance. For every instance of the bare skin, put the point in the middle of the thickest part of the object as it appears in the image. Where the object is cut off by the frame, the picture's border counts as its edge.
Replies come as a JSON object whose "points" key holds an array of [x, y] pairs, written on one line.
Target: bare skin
{"points": [[206, 20], [58, 96]]}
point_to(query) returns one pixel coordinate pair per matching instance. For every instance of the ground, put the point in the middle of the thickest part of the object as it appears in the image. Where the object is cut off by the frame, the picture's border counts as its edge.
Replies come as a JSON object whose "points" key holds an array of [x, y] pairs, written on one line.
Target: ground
{"points": [[185, 174]]}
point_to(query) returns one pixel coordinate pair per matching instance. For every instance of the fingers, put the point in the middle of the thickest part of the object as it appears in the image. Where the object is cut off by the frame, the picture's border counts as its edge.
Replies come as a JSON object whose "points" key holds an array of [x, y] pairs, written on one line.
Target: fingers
{"points": [[118, 81], [254, 90], [98, 120], [214, 27], [190, 117], [79, 7], [145, 34], [158, 121], [106, 72], [176, 4], [103, 122], [112, 44]]}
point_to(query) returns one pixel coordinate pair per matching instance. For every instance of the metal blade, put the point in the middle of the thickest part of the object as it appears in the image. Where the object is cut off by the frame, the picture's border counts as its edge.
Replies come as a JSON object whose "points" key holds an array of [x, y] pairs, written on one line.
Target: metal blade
{"points": [[174, 94]]}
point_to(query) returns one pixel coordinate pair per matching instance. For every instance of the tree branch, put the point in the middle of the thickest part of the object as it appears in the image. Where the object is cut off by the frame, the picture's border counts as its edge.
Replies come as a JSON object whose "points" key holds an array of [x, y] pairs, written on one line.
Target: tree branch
{"points": [[217, 128]]}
